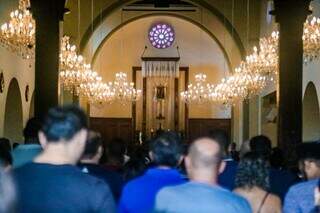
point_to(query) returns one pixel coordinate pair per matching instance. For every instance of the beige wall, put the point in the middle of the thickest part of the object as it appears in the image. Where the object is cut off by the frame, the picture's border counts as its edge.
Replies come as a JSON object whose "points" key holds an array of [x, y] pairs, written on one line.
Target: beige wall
{"points": [[198, 51]]}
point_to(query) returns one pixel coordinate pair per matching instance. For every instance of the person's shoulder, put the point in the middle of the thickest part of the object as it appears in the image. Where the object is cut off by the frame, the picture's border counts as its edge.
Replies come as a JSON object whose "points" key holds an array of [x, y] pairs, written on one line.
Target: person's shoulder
{"points": [[300, 187], [273, 200]]}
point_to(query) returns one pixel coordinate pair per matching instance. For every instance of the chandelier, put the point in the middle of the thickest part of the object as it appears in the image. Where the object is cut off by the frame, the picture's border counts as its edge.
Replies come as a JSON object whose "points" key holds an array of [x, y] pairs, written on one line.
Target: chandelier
{"points": [[97, 92], [73, 69], [199, 92], [124, 91], [18, 35], [311, 39]]}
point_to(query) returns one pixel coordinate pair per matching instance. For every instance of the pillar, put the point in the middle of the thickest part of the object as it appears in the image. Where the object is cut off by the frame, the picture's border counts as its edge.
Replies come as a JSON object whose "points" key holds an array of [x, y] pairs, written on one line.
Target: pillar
{"points": [[290, 15], [47, 15]]}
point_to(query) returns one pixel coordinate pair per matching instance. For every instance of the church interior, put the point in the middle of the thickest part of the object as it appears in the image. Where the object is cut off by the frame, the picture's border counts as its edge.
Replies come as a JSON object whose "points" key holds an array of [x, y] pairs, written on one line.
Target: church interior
{"points": [[172, 106], [138, 67]]}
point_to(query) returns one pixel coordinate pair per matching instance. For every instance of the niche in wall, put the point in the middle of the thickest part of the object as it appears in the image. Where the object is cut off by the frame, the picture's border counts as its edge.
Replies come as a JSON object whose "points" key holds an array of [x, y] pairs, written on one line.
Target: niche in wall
{"points": [[13, 120]]}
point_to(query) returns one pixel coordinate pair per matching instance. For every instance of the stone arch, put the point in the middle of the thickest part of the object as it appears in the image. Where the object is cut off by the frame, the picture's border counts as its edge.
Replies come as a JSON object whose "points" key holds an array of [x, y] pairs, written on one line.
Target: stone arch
{"points": [[311, 114], [199, 3], [13, 118]]}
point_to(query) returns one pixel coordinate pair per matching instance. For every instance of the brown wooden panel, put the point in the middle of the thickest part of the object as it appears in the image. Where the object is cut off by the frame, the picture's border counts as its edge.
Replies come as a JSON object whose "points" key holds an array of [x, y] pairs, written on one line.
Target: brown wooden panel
{"points": [[199, 127], [113, 127]]}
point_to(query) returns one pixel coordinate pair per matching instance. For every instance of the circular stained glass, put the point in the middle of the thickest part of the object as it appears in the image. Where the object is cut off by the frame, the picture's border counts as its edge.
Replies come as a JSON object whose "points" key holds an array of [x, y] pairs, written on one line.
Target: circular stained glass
{"points": [[161, 35]]}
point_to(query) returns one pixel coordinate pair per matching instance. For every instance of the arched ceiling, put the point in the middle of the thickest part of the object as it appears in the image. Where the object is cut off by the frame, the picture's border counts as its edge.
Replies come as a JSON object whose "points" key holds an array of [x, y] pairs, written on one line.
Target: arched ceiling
{"points": [[92, 11]]}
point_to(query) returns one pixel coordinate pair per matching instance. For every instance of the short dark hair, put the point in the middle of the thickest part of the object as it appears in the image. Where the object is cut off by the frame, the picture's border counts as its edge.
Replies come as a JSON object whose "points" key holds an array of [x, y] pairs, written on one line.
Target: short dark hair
{"points": [[166, 149], [253, 170], [221, 137], [63, 122], [5, 144], [309, 151], [32, 128], [94, 141], [261, 145], [116, 149], [5, 157]]}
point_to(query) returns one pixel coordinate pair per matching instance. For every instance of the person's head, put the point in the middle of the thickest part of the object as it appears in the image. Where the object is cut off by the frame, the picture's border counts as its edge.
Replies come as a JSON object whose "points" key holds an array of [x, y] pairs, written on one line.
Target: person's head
{"points": [[277, 158], [253, 171], [309, 160], [5, 144], [261, 145], [93, 149], [204, 160], [245, 148], [221, 137], [166, 150], [31, 130], [7, 192], [5, 159], [64, 132], [115, 151]]}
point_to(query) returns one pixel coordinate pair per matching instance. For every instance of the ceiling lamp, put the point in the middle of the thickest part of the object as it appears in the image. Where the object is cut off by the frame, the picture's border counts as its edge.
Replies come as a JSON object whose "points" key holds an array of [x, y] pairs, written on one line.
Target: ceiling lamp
{"points": [[311, 39], [73, 69], [198, 93], [124, 91], [18, 35], [97, 92]]}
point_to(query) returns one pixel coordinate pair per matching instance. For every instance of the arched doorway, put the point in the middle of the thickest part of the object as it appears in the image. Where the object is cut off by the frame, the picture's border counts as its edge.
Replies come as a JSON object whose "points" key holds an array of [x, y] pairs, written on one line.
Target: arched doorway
{"points": [[13, 120], [311, 116]]}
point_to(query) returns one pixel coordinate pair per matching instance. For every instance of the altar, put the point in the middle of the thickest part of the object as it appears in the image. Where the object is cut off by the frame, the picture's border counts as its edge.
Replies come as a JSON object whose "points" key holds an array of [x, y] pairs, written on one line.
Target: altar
{"points": [[161, 81]]}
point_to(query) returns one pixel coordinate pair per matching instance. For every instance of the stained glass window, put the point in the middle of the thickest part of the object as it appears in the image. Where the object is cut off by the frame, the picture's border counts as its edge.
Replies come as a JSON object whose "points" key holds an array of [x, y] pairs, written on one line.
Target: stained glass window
{"points": [[161, 35]]}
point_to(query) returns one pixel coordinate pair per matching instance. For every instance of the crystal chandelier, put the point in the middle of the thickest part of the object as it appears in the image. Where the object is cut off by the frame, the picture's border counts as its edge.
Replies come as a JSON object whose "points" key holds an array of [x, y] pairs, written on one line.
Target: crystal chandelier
{"points": [[73, 69], [199, 92], [124, 91], [18, 35], [311, 39], [97, 92]]}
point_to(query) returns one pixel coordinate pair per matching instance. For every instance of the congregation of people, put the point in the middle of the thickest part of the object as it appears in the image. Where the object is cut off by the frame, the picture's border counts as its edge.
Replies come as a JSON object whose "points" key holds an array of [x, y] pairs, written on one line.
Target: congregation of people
{"points": [[63, 166]]}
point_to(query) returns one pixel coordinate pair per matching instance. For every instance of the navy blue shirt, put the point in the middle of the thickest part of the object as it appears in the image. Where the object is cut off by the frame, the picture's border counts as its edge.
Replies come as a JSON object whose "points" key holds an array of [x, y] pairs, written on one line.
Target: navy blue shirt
{"points": [[281, 181], [60, 188], [139, 194], [227, 178], [113, 179]]}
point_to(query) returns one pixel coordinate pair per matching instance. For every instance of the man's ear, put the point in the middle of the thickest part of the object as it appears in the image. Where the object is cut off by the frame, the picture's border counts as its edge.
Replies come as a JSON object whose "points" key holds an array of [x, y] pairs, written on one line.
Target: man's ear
{"points": [[222, 166], [187, 162], [81, 136], [151, 155], [180, 160], [42, 139]]}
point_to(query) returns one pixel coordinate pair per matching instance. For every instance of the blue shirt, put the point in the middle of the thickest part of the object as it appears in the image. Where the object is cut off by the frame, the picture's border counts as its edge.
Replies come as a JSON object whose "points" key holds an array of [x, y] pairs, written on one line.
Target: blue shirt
{"points": [[25, 153], [60, 188], [300, 198], [196, 197], [139, 194], [227, 177]]}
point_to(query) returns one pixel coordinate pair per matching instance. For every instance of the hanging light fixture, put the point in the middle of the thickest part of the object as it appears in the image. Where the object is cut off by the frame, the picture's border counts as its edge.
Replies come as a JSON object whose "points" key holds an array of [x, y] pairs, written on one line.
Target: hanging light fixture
{"points": [[124, 92], [18, 35], [311, 39], [199, 92], [73, 69]]}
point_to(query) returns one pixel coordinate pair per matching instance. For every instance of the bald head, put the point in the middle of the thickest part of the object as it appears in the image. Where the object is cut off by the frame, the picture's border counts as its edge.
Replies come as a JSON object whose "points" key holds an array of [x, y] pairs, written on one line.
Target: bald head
{"points": [[205, 153]]}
